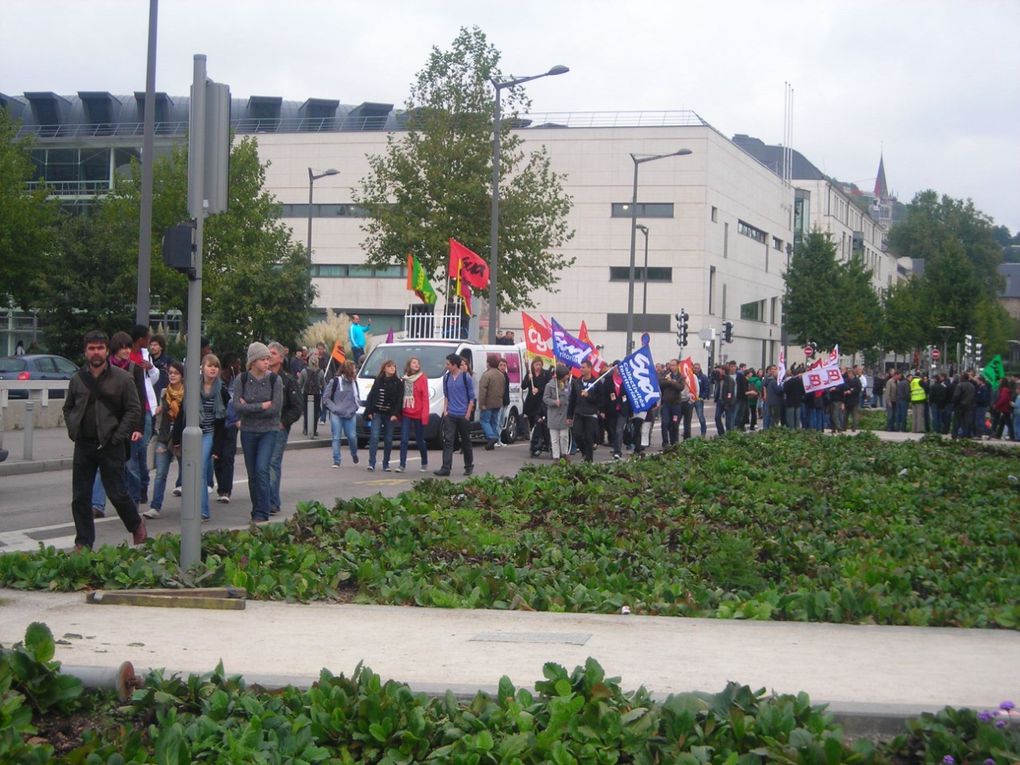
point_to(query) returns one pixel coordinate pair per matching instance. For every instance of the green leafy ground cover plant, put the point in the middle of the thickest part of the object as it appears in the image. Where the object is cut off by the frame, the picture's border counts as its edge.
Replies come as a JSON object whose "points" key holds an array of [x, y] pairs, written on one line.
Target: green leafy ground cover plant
{"points": [[793, 526], [570, 717]]}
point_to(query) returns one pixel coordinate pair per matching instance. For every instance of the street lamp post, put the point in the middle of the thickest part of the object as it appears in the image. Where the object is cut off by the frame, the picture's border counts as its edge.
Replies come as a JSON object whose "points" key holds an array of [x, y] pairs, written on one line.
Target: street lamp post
{"points": [[312, 178], [638, 160], [498, 86], [644, 302]]}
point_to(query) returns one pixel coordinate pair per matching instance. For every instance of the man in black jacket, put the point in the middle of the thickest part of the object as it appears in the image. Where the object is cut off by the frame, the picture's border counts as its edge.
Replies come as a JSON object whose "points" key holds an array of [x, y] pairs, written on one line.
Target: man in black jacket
{"points": [[584, 412], [289, 414], [103, 416]]}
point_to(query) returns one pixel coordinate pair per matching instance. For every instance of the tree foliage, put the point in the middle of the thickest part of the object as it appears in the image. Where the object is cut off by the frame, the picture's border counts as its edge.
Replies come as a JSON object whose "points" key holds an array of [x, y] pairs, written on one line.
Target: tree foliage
{"points": [[812, 292], [904, 322], [255, 280], [27, 218], [433, 180], [960, 284], [859, 308]]}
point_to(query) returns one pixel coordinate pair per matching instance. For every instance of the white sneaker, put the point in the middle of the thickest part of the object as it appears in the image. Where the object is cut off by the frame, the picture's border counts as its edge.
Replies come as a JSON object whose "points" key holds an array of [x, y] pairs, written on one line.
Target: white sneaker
{"points": [[151, 513], [177, 491], [224, 499], [336, 465]]}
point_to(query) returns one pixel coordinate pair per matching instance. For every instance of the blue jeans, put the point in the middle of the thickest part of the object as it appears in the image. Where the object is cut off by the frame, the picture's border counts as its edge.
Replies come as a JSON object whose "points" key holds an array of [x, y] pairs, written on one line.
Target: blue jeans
{"points": [[276, 467], [699, 410], [490, 424], [137, 466], [817, 419], [901, 416], [163, 459], [343, 426], [258, 447], [406, 426], [384, 423], [207, 471]]}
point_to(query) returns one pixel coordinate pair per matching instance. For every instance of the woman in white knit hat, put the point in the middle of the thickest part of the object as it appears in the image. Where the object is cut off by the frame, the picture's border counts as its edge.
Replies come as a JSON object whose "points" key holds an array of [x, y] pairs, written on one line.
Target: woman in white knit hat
{"points": [[258, 399]]}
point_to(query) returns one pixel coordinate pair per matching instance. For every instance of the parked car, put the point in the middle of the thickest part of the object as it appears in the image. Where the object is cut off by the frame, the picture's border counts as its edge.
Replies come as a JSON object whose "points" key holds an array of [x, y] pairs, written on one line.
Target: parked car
{"points": [[36, 366]]}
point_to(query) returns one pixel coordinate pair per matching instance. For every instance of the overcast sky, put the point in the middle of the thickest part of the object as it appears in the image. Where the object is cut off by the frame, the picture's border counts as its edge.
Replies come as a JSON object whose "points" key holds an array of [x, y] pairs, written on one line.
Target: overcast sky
{"points": [[934, 84]]}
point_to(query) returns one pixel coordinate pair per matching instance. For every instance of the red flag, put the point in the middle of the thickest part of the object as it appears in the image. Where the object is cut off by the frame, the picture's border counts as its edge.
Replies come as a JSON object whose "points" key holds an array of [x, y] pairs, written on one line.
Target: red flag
{"points": [[687, 370], [537, 337], [598, 364], [468, 266]]}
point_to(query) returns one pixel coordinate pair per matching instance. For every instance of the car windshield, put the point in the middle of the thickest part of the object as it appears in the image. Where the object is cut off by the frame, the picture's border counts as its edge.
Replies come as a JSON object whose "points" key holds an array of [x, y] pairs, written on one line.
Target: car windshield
{"points": [[12, 364], [432, 358]]}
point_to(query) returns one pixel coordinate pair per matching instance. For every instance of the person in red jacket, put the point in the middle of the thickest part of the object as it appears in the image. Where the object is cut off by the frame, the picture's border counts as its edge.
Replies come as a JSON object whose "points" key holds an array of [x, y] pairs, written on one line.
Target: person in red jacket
{"points": [[416, 413], [1002, 410]]}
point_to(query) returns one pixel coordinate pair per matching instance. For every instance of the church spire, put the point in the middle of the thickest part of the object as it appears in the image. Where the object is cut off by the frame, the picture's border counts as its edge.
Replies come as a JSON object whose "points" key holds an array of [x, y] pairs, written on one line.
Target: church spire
{"points": [[881, 189]]}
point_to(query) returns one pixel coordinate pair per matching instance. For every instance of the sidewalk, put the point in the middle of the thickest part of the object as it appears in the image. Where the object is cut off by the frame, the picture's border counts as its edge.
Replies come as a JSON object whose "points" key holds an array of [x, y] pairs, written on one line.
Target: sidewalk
{"points": [[875, 676]]}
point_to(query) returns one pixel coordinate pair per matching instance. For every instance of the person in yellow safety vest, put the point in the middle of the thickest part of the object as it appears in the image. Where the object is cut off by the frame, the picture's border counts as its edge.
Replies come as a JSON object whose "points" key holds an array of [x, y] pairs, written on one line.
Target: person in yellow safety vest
{"points": [[918, 397]]}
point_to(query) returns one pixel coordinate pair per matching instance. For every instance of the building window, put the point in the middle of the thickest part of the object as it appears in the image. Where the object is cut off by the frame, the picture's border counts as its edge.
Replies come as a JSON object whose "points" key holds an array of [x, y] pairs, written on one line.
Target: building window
{"points": [[652, 322], [715, 214], [753, 311], [777, 243], [725, 240], [356, 271], [322, 211], [644, 210], [750, 231], [655, 274], [775, 310], [711, 290]]}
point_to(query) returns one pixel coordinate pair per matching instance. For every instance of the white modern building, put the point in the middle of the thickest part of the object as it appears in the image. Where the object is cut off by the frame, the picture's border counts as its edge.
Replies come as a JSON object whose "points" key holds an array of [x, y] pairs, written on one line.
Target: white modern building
{"points": [[718, 222]]}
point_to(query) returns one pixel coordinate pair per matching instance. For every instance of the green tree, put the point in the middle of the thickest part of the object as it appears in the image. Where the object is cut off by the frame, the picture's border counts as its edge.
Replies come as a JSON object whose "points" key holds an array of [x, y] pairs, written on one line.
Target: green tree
{"points": [[904, 322], [255, 279], [90, 283], [433, 180], [859, 308], [811, 299], [27, 218]]}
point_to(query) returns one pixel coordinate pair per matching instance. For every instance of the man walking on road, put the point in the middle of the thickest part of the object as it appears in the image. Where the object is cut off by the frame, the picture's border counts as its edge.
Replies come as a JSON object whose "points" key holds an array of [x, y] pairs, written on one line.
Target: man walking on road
{"points": [[459, 390], [104, 418]]}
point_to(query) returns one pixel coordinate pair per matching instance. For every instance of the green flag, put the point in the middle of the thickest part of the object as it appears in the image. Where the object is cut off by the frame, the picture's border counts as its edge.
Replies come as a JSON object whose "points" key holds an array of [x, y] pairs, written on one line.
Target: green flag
{"points": [[994, 371], [418, 281]]}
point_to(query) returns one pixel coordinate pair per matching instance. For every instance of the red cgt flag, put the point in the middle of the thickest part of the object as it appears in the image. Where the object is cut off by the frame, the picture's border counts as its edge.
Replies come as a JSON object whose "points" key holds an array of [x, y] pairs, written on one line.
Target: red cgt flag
{"points": [[537, 337], [598, 364], [468, 266]]}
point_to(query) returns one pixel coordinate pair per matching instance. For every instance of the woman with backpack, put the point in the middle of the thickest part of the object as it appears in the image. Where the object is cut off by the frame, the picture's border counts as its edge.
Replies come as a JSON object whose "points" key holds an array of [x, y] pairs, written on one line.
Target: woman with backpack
{"points": [[340, 398], [171, 407], [383, 409], [415, 413]]}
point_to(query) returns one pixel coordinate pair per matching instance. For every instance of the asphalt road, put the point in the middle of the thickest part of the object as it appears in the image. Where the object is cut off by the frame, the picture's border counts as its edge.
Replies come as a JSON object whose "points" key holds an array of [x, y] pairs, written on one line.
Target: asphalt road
{"points": [[37, 506]]}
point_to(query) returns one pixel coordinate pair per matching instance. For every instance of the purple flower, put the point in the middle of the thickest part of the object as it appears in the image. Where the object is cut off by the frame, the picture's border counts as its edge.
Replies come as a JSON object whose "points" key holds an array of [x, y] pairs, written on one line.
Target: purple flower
{"points": [[948, 760], [1000, 723], [985, 715], [989, 761], [1006, 706]]}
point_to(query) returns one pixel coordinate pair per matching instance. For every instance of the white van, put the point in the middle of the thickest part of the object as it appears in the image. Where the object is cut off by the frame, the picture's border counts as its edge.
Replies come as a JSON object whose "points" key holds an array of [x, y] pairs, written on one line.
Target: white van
{"points": [[432, 355]]}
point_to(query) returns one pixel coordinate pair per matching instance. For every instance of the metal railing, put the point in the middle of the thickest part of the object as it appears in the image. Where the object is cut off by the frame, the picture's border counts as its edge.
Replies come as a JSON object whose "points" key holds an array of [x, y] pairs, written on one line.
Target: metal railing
{"points": [[32, 386], [419, 325], [394, 121]]}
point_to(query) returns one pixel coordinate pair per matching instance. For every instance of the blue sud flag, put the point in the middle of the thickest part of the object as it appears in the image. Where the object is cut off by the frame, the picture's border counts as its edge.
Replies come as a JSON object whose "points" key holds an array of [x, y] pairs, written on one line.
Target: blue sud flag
{"points": [[639, 379], [567, 348]]}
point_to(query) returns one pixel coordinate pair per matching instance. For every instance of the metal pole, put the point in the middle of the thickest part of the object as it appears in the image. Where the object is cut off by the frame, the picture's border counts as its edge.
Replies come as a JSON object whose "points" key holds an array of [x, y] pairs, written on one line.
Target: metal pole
{"points": [[29, 428], [148, 140], [633, 245], [311, 182], [191, 469], [644, 305], [494, 223]]}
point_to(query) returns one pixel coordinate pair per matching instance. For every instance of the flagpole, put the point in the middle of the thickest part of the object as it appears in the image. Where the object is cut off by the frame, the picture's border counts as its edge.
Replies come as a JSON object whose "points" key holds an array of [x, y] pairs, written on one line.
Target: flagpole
{"points": [[608, 371]]}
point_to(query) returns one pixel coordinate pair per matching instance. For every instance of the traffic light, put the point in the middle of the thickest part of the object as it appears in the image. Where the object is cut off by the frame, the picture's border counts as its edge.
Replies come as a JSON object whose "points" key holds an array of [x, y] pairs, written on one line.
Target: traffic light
{"points": [[727, 331], [681, 328], [977, 354], [968, 345]]}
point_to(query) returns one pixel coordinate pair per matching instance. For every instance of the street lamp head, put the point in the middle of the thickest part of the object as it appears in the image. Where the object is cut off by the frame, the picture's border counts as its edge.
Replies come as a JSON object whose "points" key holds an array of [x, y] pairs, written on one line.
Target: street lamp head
{"points": [[314, 176], [642, 228], [558, 69], [681, 153]]}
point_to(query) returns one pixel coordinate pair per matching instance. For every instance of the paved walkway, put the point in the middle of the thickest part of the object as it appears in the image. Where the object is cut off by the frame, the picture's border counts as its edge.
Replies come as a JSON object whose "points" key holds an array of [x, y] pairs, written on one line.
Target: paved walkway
{"points": [[886, 672]]}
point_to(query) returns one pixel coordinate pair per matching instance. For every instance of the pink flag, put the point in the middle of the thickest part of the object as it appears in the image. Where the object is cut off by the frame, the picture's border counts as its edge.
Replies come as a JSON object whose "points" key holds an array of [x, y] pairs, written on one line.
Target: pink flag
{"points": [[389, 336]]}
